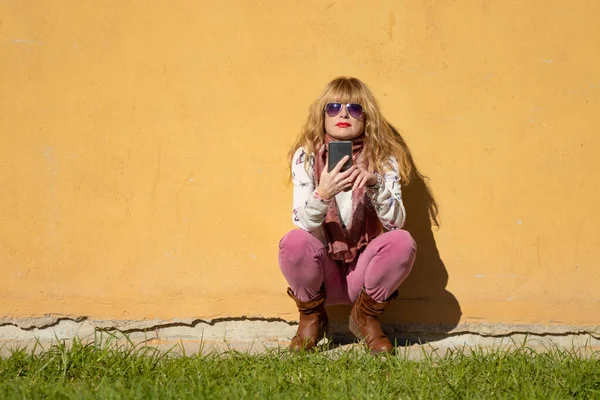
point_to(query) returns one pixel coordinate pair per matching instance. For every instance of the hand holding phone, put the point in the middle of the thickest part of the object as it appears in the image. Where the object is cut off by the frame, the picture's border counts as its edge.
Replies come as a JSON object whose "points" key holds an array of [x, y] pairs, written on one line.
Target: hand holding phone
{"points": [[340, 173]]}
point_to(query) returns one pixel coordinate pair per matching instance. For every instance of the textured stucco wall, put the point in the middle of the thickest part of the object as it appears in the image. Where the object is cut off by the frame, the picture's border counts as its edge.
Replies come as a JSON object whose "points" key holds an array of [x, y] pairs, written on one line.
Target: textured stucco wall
{"points": [[143, 144]]}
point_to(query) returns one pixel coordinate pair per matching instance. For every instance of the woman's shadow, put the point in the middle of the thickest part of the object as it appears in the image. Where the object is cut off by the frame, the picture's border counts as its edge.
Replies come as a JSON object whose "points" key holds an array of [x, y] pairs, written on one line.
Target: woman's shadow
{"points": [[424, 311]]}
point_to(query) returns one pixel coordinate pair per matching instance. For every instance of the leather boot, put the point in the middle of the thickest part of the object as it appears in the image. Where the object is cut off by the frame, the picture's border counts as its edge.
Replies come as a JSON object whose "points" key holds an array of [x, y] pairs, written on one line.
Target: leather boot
{"points": [[364, 322], [313, 322]]}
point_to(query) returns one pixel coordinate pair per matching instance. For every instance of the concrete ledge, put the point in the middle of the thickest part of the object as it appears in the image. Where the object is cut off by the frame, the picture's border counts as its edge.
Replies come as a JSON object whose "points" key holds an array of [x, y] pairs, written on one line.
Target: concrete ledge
{"points": [[258, 333]]}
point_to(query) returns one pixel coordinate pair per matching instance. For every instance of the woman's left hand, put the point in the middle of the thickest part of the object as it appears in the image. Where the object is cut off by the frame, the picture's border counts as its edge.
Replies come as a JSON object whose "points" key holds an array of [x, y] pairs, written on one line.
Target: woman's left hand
{"points": [[363, 179]]}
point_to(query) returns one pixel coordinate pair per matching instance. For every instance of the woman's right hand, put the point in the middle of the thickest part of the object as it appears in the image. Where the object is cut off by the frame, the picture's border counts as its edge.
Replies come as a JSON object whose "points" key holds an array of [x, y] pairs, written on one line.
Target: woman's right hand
{"points": [[331, 183]]}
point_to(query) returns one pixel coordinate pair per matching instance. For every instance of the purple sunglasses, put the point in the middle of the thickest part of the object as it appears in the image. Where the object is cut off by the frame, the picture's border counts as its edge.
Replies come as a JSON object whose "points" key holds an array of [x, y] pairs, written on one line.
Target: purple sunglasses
{"points": [[355, 110]]}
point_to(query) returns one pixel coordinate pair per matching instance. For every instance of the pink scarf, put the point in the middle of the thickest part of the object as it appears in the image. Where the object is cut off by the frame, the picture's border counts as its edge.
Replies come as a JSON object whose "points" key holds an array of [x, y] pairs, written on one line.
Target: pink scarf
{"points": [[345, 243]]}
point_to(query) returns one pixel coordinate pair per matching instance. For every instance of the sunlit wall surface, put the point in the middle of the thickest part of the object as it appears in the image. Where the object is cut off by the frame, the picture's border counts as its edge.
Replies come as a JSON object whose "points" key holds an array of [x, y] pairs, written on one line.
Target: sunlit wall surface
{"points": [[143, 152]]}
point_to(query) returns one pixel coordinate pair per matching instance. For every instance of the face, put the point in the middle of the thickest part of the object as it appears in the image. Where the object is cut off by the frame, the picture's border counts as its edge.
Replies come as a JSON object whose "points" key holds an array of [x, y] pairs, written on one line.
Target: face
{"points": [[344, 126]]}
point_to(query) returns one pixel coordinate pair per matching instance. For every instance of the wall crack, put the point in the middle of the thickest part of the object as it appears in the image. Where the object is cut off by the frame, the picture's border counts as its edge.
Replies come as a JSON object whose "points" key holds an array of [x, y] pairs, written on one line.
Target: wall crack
{"points": [[247, 329]]}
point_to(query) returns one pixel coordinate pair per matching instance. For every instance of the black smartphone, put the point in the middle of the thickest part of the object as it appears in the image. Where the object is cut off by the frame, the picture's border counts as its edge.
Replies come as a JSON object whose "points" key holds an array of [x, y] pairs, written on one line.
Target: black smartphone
{"points": [[337, 151]]}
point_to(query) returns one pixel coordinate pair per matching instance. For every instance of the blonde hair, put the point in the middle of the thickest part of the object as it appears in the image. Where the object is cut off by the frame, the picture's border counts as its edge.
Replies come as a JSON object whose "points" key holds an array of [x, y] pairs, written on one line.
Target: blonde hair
{"points": [[380, 141]]}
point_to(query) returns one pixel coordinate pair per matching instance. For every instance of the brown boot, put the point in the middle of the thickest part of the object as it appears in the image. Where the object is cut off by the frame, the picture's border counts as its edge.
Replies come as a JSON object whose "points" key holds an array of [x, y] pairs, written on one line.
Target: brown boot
{"points": [[313, 322], [365, 325]]}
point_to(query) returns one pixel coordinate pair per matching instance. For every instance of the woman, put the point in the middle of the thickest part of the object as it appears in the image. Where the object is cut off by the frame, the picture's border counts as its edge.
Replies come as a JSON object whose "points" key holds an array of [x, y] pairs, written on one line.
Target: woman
{"points": [[341, 254]]}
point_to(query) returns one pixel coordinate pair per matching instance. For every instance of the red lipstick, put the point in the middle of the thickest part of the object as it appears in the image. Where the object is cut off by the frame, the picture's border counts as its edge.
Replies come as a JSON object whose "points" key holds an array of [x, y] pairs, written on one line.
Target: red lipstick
{"points": [[343, 124]]}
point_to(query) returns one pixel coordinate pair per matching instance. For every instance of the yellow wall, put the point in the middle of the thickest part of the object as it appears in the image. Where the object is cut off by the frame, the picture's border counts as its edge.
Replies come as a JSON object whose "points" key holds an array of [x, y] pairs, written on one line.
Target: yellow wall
{"points": [[142, 168]]}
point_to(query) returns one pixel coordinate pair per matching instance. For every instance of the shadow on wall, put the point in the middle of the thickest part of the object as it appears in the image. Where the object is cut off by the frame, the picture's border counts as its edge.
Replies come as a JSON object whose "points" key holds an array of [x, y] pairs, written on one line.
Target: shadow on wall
{"points": [[424, 309]]}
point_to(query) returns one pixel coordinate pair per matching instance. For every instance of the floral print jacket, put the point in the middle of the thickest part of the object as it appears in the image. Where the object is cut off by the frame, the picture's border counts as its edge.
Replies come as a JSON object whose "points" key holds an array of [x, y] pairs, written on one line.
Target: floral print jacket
{"points": [[309, 210]]}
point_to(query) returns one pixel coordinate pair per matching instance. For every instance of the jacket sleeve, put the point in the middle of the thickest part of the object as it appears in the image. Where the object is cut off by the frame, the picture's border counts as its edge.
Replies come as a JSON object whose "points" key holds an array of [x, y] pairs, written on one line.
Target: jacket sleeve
{"points": [[387, 199], [308, 210]]}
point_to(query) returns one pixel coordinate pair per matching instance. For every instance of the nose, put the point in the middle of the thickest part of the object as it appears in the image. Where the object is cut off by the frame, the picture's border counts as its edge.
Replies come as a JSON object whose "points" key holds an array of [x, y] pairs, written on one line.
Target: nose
{"points": [[344, 112]]}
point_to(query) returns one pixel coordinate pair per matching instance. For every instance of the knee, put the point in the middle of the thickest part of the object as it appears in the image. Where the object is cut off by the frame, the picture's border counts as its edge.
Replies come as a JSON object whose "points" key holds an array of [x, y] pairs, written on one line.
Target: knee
{"points": [[401, 244], [401, 239], [298, 239], [297, 247], [395, 258]]}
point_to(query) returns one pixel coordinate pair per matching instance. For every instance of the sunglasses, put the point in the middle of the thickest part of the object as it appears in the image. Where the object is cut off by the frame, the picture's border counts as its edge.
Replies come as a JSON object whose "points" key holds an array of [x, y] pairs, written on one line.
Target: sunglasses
{"points": [[355, 110]]}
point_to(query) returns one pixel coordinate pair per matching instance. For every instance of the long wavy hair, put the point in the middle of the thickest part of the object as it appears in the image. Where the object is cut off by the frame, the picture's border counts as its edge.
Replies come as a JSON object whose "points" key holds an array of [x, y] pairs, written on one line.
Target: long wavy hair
{"points": [[380, 141]]}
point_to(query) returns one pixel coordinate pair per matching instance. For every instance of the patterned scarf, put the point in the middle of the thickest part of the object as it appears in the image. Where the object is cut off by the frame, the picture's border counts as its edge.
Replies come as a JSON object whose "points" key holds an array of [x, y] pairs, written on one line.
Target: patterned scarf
{"points": [[345, 243]]}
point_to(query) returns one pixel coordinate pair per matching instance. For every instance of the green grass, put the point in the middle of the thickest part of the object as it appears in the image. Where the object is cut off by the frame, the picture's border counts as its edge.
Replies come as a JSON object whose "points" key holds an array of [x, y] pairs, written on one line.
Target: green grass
{"points": [[105, 369]]}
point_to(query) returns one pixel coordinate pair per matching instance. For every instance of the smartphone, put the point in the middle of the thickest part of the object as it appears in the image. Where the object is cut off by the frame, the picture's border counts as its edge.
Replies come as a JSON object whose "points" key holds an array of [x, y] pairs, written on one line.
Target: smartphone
{"points": [[337, 151]]}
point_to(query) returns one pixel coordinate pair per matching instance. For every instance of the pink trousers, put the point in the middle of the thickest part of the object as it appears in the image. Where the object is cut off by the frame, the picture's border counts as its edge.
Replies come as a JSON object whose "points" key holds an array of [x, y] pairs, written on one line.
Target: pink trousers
{"points": [[380, 268]]}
